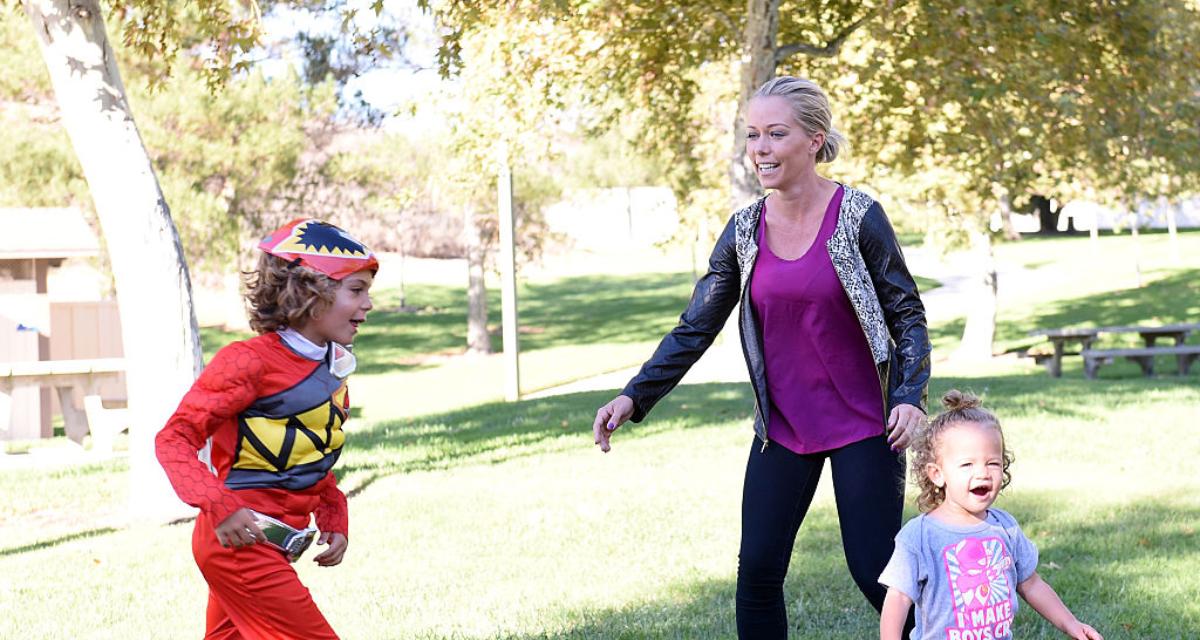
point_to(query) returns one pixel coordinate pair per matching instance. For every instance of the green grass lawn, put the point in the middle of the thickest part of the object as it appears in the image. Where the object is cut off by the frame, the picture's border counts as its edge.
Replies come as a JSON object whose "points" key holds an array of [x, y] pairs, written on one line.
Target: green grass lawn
{"points": [[571, 328], [1094, 287], [498, 520], [503, 521]]}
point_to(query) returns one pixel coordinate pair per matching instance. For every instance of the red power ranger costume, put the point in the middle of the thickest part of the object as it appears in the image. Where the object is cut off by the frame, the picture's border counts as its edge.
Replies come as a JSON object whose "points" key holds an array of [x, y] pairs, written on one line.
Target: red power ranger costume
{"points": [[275, 418]]}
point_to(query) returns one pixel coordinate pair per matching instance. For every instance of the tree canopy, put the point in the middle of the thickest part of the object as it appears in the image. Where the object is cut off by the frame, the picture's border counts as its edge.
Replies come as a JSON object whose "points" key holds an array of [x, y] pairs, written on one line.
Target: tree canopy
{"points": [[954, 102]]}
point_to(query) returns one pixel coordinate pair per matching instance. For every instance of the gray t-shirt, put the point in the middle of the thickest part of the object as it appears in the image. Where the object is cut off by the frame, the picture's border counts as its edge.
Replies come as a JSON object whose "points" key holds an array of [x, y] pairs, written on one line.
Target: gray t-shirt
{"points": [[962, 579]]}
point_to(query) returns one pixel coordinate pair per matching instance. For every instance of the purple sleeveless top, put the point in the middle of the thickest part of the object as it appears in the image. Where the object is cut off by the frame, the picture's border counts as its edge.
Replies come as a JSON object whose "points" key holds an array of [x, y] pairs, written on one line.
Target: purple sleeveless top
{"points": [[823, 385]]}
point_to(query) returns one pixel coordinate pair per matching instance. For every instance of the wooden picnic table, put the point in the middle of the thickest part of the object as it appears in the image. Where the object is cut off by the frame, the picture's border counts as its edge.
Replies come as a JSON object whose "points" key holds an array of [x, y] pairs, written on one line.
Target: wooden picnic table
{"points": [[1178, 332], [64, 375], [1059, 339], [1087, 337]]}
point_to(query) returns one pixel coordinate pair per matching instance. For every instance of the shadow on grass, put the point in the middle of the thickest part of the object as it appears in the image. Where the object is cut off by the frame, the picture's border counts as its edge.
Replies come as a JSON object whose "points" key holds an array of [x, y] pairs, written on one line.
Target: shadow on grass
{"points": [[497, 432], [54, 542], [945, 336], [700, 610], [1071, 396], [1077, 557], [571, 311], [1109, 569], [1173, 299], [578, 310]]}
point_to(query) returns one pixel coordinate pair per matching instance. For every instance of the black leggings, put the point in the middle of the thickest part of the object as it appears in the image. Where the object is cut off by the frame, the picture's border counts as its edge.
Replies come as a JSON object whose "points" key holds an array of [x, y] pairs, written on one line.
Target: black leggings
{"points": [[868, 483]]}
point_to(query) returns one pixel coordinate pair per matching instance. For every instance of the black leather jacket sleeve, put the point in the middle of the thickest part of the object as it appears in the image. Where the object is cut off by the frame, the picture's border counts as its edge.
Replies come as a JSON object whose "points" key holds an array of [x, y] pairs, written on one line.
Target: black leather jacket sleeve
{"points": [[903, 311], [714, 297]]}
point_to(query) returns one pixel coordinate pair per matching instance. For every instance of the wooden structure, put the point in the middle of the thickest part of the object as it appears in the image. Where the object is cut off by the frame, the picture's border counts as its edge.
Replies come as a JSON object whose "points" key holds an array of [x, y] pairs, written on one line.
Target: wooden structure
{"points": [[37, 332], [67, 376], [1093, 357]]}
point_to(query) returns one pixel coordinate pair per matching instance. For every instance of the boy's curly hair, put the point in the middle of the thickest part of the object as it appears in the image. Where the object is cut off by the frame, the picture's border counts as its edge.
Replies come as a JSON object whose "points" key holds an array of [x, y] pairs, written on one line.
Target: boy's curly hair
{"points": [[959, 407], [282, 294]]}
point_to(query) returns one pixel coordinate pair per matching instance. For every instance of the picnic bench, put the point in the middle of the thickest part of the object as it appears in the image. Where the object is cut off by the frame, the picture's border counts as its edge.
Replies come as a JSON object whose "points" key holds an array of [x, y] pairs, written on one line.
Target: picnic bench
{"points": [[65, 375], [1094, 357], [1060, 338]]}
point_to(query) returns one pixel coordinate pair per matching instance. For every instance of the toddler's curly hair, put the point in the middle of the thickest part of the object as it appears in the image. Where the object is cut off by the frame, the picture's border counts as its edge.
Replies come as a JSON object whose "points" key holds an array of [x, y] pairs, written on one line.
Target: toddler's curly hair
{"points": [[282, 294], [960, 407]]}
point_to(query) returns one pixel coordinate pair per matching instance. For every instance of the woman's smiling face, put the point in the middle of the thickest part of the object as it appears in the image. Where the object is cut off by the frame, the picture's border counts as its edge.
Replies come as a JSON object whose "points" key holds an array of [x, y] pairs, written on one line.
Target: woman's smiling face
{"points": [[779, 148]]}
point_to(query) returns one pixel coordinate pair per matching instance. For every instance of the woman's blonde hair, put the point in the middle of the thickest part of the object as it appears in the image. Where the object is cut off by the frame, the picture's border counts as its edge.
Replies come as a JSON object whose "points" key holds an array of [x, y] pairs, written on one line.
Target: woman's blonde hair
{"points": [[960, 407], [285, 294], [810, 108]]}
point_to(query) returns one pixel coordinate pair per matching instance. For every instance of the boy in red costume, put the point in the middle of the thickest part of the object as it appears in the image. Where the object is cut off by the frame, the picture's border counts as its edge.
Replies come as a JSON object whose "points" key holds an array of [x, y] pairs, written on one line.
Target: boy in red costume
{"points": [[274, 407]]}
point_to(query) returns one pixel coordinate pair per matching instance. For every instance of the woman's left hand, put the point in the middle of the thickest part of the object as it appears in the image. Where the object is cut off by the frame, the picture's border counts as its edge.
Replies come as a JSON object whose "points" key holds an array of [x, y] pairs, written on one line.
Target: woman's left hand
{"points": [[337, 548], [901, 422]]}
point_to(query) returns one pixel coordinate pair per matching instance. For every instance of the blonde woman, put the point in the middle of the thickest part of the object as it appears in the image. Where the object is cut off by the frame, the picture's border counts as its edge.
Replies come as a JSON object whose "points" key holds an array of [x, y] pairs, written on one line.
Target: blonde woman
{"points": [[833, 331]]}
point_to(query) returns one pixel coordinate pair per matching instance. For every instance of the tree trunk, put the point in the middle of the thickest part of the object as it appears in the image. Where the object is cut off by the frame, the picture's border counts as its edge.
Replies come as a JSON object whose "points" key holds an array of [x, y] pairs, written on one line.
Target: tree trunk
{"points": [[980, 330], [758, 66], [1006, 216], [154, 294], [478, 340], [1047, 216]]}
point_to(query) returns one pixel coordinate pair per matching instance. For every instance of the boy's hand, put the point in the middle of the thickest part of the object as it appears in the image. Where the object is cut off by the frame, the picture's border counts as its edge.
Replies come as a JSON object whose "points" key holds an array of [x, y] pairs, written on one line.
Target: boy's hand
{"points": [[1081, 631], [337, 548], [239, 530]]}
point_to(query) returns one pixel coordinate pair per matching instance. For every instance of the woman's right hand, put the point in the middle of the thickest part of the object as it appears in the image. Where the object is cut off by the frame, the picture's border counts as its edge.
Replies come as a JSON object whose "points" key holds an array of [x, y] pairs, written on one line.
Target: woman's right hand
{"points": [[239, 530], [609, 417]]}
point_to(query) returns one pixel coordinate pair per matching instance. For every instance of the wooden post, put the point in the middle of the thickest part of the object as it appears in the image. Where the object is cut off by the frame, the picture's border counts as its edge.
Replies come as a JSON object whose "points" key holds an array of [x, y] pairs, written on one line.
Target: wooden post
{"points": [[1094, 234], [1137, 243], [1173, 235], [508, 284]]}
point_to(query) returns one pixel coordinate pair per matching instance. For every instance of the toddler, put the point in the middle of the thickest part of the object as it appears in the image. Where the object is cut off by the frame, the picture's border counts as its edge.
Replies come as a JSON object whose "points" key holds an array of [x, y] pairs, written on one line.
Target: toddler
{"points": [[962, 560]]}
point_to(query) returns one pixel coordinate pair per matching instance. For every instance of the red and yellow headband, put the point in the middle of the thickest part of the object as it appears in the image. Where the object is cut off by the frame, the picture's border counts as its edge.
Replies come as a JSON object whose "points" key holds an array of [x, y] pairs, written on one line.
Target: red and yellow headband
{"points": [[321, 247]]}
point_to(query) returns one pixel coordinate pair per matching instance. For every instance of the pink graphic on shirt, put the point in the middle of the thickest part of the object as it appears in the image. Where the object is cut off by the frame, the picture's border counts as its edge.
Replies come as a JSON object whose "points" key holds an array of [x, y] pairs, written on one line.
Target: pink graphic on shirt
{"points": [[977, 568]]}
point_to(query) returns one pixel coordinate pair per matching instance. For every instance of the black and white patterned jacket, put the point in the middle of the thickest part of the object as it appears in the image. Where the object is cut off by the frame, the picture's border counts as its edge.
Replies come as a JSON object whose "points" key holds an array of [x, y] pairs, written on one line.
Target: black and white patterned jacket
{"points": [[870, 265]]}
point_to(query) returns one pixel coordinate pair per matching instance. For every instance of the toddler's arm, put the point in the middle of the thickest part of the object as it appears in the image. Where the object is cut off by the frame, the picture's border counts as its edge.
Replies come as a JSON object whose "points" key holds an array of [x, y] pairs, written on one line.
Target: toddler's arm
{"points": [[894, 614], [1042, 597]]}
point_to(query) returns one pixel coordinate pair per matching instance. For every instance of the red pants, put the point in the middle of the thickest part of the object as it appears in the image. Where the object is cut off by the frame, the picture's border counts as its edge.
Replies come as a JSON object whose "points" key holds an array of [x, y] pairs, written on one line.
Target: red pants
{"points": [[253, 592]]}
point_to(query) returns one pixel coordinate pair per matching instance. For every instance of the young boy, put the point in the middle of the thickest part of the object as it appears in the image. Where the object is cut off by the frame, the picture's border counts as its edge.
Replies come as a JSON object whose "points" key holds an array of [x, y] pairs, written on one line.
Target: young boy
{"points": [[274, 406]]}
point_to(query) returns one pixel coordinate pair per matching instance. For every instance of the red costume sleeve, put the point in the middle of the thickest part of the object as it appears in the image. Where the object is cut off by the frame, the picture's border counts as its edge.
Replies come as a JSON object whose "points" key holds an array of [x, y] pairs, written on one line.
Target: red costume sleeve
{"points": [[332, 513], [224, 389]]}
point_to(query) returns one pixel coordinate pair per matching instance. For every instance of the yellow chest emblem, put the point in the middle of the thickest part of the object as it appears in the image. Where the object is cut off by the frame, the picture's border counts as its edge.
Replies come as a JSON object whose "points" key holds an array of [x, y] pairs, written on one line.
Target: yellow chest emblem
{"points": [[278, 444]]}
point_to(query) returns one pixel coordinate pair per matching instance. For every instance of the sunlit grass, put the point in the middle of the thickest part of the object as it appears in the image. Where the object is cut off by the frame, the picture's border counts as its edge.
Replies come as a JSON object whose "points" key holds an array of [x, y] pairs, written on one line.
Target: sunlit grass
{"points": [[494, 520], [502, 522]]}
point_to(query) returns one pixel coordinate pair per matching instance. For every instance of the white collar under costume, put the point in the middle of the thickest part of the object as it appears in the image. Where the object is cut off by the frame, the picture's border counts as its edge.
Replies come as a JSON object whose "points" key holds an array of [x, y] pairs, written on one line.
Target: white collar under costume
{"points": [[341, 360]]}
